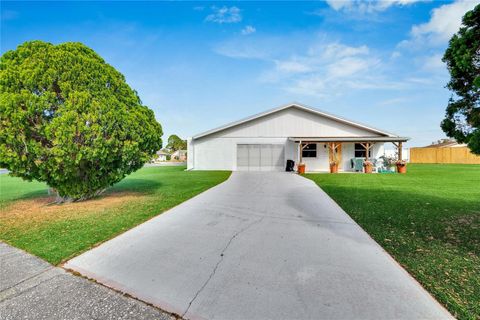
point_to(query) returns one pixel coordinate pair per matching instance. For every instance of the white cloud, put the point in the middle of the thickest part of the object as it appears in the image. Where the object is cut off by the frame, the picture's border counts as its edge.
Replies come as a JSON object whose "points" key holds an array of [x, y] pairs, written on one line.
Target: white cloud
{"points": [[395, 55], [348, 67], [444, 22], [339, 4], [292, 66], [338, 50], [337, 70], [421, 81], [318, 66], [434, 63], [368, 6], [327, 69], [392, 102], [248, 30], [225, 15]]}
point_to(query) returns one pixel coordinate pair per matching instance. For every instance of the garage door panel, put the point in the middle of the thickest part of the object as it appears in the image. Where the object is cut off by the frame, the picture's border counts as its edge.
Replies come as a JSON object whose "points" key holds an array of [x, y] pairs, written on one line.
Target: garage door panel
{"points": [[242, 157], [265, 157], [260, 157]]}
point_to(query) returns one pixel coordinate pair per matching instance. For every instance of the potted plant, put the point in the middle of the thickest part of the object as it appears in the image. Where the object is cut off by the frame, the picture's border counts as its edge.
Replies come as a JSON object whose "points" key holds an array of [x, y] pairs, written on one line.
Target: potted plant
{"points": [[334, 166], [368, 166], [301, 168], [401, 166], [389, 163]]}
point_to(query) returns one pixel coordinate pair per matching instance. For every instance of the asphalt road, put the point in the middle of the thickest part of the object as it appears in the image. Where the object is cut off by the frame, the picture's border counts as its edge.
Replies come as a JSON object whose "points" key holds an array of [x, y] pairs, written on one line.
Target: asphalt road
{"points": [[259, 246]]}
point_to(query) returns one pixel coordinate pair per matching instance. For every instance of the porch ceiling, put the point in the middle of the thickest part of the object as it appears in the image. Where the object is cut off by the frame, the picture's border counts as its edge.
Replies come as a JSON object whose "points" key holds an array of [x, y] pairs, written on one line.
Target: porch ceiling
{"points": [[349, 139]]}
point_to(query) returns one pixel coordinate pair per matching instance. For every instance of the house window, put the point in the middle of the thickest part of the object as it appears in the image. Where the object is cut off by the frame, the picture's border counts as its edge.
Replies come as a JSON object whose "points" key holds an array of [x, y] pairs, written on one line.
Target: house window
{"points": [[361, 152], [310, 151]]}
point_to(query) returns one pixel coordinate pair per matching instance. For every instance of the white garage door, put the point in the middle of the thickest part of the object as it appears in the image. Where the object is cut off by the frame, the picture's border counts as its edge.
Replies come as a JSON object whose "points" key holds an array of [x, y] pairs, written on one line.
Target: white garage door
{"points": [[260, 157]]}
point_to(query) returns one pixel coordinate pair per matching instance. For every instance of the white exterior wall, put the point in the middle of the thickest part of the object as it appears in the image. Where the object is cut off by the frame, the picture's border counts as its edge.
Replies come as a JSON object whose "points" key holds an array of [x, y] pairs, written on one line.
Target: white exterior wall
{"points": [[221, 153], [218, 151]]}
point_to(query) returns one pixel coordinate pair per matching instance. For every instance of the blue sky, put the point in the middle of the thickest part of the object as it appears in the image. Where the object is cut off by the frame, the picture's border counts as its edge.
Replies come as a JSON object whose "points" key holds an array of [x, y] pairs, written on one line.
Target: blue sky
{"points": [[200, 64]]}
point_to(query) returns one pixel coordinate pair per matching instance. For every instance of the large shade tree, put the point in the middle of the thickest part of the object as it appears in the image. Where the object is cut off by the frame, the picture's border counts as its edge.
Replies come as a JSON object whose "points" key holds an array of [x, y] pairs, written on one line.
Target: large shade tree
{"points": [[176, 143], [70, 119], [462, 119]]}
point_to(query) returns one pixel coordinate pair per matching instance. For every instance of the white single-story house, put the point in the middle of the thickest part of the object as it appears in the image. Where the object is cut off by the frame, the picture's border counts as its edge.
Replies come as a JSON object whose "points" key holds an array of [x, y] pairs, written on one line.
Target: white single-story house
{"points": [[162, 156], [265, 141]]}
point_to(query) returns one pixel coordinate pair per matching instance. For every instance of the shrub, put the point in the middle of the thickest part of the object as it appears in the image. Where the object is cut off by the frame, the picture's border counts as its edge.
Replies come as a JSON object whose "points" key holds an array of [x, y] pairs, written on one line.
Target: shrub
{"points": [[70, 119]]}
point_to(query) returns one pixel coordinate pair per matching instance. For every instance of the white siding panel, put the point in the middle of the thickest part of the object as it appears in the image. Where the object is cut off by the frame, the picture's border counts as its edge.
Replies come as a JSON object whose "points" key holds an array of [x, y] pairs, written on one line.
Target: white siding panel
{"points": [[242, 157], [278, 156], [320, 162], [293, 123], [254, 156]]}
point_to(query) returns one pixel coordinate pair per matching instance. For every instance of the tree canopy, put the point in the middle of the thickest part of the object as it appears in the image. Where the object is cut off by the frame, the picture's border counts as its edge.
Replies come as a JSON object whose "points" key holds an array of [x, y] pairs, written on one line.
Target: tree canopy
{"points": [[462, 119], [70, 119], [176, 143]]}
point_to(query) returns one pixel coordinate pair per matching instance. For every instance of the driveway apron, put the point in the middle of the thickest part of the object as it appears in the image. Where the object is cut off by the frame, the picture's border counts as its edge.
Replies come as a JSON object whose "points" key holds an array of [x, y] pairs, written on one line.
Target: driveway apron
{"points": [[262, 245]]}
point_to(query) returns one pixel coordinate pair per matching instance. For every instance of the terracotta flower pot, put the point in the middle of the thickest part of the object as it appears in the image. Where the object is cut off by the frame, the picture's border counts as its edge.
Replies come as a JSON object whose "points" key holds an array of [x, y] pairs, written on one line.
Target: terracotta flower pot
{"points": [[333, 167], [301, 168], [401, 168], [368, 167]]}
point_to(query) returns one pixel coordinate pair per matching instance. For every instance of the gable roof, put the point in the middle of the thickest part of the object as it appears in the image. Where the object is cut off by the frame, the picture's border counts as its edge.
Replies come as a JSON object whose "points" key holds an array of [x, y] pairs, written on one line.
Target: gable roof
{"points": [[300, 107]]}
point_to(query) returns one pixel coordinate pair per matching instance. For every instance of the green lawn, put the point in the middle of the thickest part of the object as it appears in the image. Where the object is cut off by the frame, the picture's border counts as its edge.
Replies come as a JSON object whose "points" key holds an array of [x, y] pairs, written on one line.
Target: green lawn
{"points": [[428, 219], [58, 232]]}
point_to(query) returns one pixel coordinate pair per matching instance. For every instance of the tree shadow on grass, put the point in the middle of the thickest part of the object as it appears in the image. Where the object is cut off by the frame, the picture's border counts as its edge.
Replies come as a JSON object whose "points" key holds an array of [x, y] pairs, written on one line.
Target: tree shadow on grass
{"points": [[132, 185], [136, 185], [25, 196]]}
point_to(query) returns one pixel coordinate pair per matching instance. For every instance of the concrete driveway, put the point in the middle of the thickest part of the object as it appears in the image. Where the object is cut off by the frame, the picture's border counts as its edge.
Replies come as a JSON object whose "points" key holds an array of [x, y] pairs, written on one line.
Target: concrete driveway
{"points": [[259, 246]]}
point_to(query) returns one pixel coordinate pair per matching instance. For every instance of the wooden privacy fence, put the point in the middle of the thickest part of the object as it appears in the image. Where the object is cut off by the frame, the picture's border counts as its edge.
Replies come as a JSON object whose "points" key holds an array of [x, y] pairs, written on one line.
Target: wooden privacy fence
{"points": [[443, 155]]}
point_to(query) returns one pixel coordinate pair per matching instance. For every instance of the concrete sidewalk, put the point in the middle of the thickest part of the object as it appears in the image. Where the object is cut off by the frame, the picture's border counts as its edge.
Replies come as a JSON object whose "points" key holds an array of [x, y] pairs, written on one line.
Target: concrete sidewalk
{"points": [[261, 245], [30, 288]]}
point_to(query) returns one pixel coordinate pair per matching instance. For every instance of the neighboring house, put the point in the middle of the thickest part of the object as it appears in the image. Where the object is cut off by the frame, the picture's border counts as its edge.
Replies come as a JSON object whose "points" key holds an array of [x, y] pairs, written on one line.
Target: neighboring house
{"points": [[265, 141], [162, 156], [446, 143], [180, 155]]}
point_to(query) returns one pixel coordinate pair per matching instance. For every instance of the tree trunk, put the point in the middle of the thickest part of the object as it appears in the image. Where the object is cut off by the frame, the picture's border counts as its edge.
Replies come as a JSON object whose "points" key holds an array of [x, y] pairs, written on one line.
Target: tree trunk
{"points": [[58, 198], [66, 199]]}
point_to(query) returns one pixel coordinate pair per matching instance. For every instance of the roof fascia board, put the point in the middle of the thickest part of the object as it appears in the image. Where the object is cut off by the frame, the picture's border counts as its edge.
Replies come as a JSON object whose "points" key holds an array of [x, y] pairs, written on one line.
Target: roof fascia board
{"points": [[349, 139]]}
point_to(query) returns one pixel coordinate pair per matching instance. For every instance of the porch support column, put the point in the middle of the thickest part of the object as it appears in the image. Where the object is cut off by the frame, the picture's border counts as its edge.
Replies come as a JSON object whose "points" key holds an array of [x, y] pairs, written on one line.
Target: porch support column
{"points": [[333, 146], [300, 149], [399, 149], [367, 147]]}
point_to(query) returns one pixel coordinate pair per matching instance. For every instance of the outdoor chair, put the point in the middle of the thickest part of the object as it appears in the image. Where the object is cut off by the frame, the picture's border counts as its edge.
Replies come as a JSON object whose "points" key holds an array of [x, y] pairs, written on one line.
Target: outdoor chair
{"points": [[357, 164]]}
